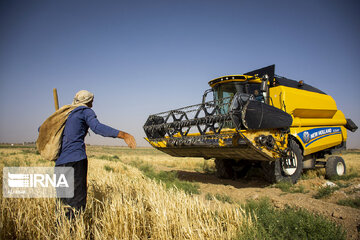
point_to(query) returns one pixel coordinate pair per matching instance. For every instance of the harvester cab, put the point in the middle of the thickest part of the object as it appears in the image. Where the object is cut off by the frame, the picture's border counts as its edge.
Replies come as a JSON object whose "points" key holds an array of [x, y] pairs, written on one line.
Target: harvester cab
{"points": [[256, 119]]}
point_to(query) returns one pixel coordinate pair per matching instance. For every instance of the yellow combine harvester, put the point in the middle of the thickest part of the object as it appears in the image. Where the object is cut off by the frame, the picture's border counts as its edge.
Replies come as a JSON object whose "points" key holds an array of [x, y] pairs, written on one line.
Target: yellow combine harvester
{"points": [[256, 119]]}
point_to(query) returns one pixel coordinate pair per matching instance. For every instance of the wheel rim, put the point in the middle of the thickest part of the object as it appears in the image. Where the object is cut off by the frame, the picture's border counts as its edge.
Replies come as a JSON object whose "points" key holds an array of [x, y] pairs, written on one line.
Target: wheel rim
{"points": [[340, 168], [292, 161]]}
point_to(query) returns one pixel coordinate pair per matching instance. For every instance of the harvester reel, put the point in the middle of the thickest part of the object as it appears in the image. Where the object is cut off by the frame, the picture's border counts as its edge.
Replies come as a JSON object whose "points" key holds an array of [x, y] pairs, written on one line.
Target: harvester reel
{"points": [[210, 123], [178, 126], [151, 131]]}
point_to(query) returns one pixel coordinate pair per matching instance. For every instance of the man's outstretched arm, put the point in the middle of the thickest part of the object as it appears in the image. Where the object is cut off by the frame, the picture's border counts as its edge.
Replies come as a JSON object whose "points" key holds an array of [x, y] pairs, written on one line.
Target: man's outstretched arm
{"points": [[105, 130]]}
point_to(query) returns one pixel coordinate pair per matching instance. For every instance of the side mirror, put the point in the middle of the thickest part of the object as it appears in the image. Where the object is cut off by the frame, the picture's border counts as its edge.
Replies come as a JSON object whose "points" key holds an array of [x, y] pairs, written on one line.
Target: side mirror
{"points": [[264, 83], [205, 94]]}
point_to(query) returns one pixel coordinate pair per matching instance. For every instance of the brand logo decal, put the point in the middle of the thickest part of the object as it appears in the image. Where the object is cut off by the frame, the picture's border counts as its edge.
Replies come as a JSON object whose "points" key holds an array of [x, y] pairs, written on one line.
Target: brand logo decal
{"points": [[306, 137], [312, 135]]}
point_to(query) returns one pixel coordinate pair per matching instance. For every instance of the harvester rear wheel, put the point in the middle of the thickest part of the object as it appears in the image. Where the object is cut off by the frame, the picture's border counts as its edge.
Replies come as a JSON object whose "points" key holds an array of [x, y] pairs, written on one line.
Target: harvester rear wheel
{"points": [[287, 169], [335, 167], [224, 168]]}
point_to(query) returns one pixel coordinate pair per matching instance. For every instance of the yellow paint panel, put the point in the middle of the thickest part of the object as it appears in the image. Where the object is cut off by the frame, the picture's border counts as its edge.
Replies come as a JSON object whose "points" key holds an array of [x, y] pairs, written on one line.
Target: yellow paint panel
{"points": [[323, 143], [320, 142], [301, 103]]}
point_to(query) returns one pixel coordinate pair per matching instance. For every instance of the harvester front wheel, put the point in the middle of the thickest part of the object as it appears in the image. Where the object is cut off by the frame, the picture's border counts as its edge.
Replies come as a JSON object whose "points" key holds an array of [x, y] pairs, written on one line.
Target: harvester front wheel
{"points": [[286, 169]]}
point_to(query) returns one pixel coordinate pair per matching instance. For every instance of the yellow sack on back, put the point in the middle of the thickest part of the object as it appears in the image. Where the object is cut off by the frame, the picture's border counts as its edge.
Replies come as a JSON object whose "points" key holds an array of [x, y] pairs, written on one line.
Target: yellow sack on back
{"points": [[51, 131]]}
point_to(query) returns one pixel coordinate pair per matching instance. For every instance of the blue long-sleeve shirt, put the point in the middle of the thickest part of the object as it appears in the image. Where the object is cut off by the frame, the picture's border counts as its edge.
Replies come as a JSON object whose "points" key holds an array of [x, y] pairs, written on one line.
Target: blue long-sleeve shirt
{"points": [[76, 128]]}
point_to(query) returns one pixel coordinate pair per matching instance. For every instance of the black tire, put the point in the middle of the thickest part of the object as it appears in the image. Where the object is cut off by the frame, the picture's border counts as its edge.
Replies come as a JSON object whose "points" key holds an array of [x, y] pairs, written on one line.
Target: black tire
{"points": [[224, 168], [241, 168], [335, 167], [278, 171]]}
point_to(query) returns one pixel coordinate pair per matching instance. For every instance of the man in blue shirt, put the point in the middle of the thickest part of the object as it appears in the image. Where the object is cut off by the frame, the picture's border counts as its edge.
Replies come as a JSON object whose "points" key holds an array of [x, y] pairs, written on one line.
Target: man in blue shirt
{"points": [[73, 152]]}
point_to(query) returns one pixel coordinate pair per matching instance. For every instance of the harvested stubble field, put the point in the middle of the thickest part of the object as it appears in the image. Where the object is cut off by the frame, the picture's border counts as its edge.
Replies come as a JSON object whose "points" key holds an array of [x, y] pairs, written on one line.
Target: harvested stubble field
{"points": [[145, 194]]}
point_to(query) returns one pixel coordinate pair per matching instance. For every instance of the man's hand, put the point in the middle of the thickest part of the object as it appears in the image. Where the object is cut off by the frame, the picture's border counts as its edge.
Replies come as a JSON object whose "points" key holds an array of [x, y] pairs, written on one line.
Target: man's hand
{"points": [[129, 139]]}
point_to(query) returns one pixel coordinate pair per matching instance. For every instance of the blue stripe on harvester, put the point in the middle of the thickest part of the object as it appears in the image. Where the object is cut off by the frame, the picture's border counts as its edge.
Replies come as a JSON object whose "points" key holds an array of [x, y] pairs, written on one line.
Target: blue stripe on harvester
{"points": [[322, 137]]}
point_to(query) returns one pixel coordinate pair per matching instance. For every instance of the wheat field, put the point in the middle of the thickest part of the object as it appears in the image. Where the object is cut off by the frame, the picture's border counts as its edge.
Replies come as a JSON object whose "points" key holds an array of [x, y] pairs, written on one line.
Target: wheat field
{"points": [[122, 204], [135, 194]]}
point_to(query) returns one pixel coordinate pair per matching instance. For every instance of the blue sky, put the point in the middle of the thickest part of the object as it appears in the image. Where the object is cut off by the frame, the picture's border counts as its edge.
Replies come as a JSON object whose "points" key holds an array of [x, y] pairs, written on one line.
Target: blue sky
{"points": [[143, 57]]}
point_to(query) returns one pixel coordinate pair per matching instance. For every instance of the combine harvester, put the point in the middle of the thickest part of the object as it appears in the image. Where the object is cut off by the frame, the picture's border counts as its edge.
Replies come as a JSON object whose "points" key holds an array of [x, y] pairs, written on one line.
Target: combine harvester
{"points": [[257, 119]]}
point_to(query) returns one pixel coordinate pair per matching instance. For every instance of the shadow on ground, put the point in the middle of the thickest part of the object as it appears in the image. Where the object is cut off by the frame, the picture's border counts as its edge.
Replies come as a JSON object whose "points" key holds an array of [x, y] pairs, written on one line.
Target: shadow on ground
{"points": [[247, 182]]}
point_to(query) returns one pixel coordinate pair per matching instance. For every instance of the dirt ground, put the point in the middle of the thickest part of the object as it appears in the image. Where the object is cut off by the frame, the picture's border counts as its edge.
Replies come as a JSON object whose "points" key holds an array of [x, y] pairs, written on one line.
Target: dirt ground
{"points": [[255, 188]]}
